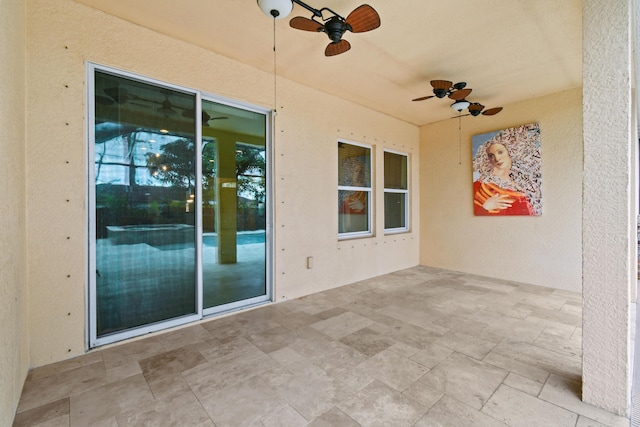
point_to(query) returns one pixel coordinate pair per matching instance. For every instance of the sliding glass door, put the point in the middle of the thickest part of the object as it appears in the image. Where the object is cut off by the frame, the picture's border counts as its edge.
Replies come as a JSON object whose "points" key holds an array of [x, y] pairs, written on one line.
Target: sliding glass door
{"points": [[234, 166], [178, 196]]}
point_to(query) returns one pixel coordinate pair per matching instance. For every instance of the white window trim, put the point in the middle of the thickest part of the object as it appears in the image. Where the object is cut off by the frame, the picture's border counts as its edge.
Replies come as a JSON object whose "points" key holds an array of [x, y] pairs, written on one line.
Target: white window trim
{"points": [[404, 229], [369, 190]]}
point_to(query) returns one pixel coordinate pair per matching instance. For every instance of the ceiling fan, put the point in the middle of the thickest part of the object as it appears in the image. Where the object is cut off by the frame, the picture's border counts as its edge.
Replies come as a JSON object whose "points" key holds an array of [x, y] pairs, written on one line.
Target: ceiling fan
{"points": [[364, 18], [206, 117], [458, 92]]}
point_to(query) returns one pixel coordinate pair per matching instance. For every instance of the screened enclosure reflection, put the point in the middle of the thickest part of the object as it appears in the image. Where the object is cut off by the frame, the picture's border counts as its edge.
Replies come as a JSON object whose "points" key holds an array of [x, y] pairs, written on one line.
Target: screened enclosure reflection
{"points": [[234, 189], [144, 173], [179, 212]]}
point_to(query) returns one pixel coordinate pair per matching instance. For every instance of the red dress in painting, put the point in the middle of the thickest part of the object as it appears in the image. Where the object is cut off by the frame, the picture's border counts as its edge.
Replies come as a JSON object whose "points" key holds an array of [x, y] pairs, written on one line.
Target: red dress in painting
{"points": [[520, 204]]}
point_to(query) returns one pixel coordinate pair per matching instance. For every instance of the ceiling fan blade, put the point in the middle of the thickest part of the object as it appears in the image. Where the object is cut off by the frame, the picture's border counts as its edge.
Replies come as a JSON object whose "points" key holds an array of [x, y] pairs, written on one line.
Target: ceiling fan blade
{"points": [[460, 115], [460, 94], [103, 100], [492, 111], [336, 48], [305, 24], [364, 18], [423, 98], [119, 95], [441, 84]]}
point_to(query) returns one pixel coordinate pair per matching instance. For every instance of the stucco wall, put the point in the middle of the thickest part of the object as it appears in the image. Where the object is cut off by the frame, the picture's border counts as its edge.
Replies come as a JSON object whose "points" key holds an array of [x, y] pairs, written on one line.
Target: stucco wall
{"points": [[62, 36], [13, 311], [543, 250], [610, 150]]}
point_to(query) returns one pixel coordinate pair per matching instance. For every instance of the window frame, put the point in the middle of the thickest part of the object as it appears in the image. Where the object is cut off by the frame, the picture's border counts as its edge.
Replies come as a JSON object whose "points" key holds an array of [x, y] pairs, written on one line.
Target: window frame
{"points": [[406, 227], [368, 190]]}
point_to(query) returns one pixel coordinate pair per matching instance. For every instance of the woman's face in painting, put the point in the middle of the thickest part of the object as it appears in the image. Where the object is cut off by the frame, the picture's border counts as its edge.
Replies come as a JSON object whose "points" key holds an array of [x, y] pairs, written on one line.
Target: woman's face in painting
{"points": [[499, 157]]}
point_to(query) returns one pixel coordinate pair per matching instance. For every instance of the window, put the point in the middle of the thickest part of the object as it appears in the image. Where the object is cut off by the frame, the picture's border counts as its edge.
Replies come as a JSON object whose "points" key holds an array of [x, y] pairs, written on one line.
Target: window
{"points": [[354, 190], [396, 192]]}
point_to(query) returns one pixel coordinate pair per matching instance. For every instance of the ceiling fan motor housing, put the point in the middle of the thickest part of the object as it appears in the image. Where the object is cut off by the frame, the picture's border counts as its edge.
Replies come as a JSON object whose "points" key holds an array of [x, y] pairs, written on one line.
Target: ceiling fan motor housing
{"points": [[440, 93], [335, 28]]}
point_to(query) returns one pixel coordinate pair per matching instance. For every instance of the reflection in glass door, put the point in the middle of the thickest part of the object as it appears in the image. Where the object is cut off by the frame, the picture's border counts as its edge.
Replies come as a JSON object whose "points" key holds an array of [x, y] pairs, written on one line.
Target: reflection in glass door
{"points": [[234, 188], [178, 217], [144, 187]]}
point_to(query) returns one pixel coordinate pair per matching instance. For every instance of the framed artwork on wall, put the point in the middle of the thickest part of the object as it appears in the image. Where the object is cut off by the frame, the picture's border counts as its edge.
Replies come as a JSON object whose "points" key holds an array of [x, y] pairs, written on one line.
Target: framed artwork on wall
{"points": [[507, 177]]}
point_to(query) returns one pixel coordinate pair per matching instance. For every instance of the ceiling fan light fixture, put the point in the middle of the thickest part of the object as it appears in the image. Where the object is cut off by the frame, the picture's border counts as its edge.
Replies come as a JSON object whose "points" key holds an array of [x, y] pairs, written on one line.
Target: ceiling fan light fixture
{"points": [[460, 105], [276, 9]]}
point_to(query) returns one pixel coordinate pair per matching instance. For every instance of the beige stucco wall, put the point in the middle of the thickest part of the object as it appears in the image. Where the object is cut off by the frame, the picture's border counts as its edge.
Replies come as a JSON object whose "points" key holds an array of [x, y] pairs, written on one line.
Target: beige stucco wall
{"points": [[609, 249], [14, 356], [62, 36], [543, 250]]}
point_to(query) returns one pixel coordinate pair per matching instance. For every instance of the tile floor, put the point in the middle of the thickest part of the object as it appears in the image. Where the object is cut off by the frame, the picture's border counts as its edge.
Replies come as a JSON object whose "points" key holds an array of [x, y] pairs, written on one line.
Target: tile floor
{"points": [[419, 347]]}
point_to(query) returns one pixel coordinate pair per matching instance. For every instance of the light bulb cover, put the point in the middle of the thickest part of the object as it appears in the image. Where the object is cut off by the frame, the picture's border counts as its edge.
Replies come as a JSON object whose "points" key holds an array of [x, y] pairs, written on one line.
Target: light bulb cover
{"points": [[276, 9], [460, 105]]}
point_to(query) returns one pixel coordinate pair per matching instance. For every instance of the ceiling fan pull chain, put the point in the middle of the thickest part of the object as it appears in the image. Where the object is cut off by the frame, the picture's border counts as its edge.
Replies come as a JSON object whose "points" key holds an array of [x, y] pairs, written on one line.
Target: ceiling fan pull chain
{"points": [[275, 76], [459, 139]]}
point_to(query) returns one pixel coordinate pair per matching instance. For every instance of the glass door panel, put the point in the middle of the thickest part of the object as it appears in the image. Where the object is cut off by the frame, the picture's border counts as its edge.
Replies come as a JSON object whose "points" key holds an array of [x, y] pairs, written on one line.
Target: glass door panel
{"points": [[144, 176], [234, 188]]}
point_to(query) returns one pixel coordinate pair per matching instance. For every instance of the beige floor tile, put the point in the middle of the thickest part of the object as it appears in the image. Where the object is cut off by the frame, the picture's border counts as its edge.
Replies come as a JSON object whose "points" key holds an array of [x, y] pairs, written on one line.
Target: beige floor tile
{"points": [[380, 405], [508, 363], [411, 335], [342, 325], [515, 329], [285, 416], [181, 410], [228, 370], [565, 393], [568, 346], [406, 350], [459, 376], [49, 413], [108, 401], [367, 341], [466, 344], [298, 320], [132, 352], [286, 356], [523, 384], [164, 386], [518, 409], [184, 336], [273, 339], [393, 370], [422, 346], [421, 319], [542, 314], [42, 390], [535, 357], [65, 365], [172, 362], [431, 355], [449, 412], [587, 422], [245, 403], [333, 417], [211, 350], [311, 392]]}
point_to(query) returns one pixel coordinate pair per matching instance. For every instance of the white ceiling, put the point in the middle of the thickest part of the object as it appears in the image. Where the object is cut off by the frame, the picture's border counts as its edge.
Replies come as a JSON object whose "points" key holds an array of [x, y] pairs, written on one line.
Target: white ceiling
{"points": [[506, 50]]}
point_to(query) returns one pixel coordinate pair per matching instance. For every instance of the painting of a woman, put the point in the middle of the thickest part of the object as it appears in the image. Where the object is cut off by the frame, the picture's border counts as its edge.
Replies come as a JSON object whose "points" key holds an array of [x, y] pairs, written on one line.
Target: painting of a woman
{"points": [[507, 173]]}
